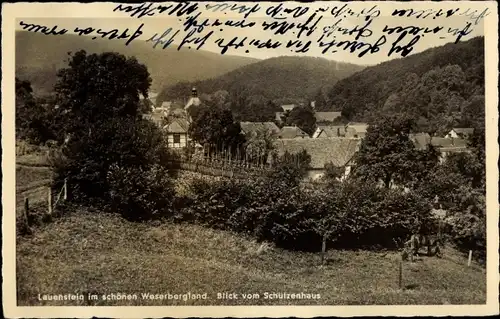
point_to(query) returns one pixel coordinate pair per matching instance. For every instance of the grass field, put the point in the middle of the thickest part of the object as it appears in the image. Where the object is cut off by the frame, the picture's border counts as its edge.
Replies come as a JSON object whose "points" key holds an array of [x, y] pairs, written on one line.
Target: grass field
{"points": [[85, 252]]}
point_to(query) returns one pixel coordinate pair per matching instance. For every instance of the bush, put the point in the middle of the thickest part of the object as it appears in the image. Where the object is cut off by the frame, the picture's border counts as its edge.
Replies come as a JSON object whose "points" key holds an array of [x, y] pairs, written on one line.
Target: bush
{"points": [[213, 203], [467, 220], [349, 214], [140, 194], [111, 148]]}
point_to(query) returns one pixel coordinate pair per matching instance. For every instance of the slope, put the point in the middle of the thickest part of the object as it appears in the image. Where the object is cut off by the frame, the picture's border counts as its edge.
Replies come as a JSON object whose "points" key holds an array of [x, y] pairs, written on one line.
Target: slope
{"points": [[281, 79], [439, 83], [39, 56], [92, 252]]}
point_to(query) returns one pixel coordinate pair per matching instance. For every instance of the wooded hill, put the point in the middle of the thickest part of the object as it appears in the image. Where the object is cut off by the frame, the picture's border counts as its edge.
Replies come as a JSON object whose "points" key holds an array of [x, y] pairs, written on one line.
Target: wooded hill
{"points": [[284, 79], [441, 87], [39, 56]]}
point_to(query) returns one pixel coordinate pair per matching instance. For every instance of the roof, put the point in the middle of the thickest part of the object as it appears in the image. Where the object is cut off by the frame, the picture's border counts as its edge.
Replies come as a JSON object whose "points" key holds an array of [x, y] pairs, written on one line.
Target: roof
{"points": [[166, 105], [291, 132], [177, 126], [359, 127], [464, 130], [337, 150], [157, 118], [248, 127], [331, 130], [421, 141], [326, 116], [288, 107], [192, 101], [448, 142]]}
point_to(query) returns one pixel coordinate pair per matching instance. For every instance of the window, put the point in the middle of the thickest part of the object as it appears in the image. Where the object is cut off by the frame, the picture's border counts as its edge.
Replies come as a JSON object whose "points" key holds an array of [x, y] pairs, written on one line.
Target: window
{"points": [[177, 138]]}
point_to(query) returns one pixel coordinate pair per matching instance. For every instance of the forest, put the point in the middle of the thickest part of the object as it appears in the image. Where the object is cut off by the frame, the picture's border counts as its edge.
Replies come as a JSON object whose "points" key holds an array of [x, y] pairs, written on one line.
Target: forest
{"points": [[254, 92], [440, 88]]}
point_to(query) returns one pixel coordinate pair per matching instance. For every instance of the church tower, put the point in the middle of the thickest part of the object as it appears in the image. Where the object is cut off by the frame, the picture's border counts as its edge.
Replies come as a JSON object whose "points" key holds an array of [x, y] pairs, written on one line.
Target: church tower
{"points": [[194, 100]]}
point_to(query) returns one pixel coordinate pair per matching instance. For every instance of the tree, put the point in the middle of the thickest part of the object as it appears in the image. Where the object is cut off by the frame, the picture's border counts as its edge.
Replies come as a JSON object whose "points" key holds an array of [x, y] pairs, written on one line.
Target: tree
{"points": [[473, 111], [387, 154], [97, 86], [35, 117], [99, 94], [304, 118], [260, 145], [216, 127], [320, 100]]}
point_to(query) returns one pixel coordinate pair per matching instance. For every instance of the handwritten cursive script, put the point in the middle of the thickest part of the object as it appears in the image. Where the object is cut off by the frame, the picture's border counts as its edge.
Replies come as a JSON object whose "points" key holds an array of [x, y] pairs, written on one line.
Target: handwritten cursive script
{"points": [[361, 29]]}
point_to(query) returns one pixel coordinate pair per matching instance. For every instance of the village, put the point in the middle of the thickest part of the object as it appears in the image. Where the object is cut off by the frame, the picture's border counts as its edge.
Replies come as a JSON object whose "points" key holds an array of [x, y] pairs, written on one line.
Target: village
{"points": [[330, 143]]}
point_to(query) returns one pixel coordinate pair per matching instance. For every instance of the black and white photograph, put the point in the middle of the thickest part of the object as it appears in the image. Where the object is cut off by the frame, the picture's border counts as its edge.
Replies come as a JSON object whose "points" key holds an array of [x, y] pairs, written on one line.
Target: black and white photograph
{"points": [[198, 154]]}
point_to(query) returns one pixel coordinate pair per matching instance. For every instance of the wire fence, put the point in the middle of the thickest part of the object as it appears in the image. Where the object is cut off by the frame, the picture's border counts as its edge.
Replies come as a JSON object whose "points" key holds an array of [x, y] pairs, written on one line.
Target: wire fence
{"points": [[37, 199]]}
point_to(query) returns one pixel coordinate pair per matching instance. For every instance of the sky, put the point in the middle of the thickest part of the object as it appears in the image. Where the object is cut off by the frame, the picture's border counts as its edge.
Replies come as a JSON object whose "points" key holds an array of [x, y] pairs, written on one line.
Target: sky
{"points": [[327, 26]]}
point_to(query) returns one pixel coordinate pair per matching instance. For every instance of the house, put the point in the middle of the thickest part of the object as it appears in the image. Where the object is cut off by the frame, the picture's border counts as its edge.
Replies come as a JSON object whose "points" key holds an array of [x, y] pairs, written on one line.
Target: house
{"points": [[465, 132], [288, 107], [249, 128], [323, 131], [292, 132], [157, 118], [356, 130], [337, 151], [164, 107], [176, 131], [178, 120], [443, 145], [324, 117]]}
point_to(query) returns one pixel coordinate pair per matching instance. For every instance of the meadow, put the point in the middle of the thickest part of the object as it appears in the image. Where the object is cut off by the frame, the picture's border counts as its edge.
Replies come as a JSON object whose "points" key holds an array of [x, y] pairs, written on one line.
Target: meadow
{"points": [[86, 251]]}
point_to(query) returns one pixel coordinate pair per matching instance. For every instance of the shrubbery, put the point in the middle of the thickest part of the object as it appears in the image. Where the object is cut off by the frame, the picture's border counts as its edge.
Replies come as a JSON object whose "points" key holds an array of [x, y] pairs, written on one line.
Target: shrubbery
{"points": [[119, 163], [350, 215], [140, 194]]}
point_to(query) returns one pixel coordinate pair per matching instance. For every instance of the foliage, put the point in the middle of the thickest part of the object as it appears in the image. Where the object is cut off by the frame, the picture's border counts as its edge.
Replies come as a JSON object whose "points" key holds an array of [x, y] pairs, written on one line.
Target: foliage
{"points": [[94, 87], [440, 88], [217, 128], [125, 142], [290, 168], [277, 208], [388, 155], [333, 172], [260, 146], [257, 89], [303, 117], [112, 155], [33, 117], [140, 193]]}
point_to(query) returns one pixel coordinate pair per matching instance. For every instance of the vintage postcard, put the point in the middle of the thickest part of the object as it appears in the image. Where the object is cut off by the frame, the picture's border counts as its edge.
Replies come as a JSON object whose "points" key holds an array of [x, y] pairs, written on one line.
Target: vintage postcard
{"points": [[242, 159]]}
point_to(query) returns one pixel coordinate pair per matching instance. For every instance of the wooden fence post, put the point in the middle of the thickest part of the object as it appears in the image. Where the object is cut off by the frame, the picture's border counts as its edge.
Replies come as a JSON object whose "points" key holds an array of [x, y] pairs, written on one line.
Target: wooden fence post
{"points": [[26, 212], [66, 188], [470, 258], [323, 250], [400, 274], [49, 200]]}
